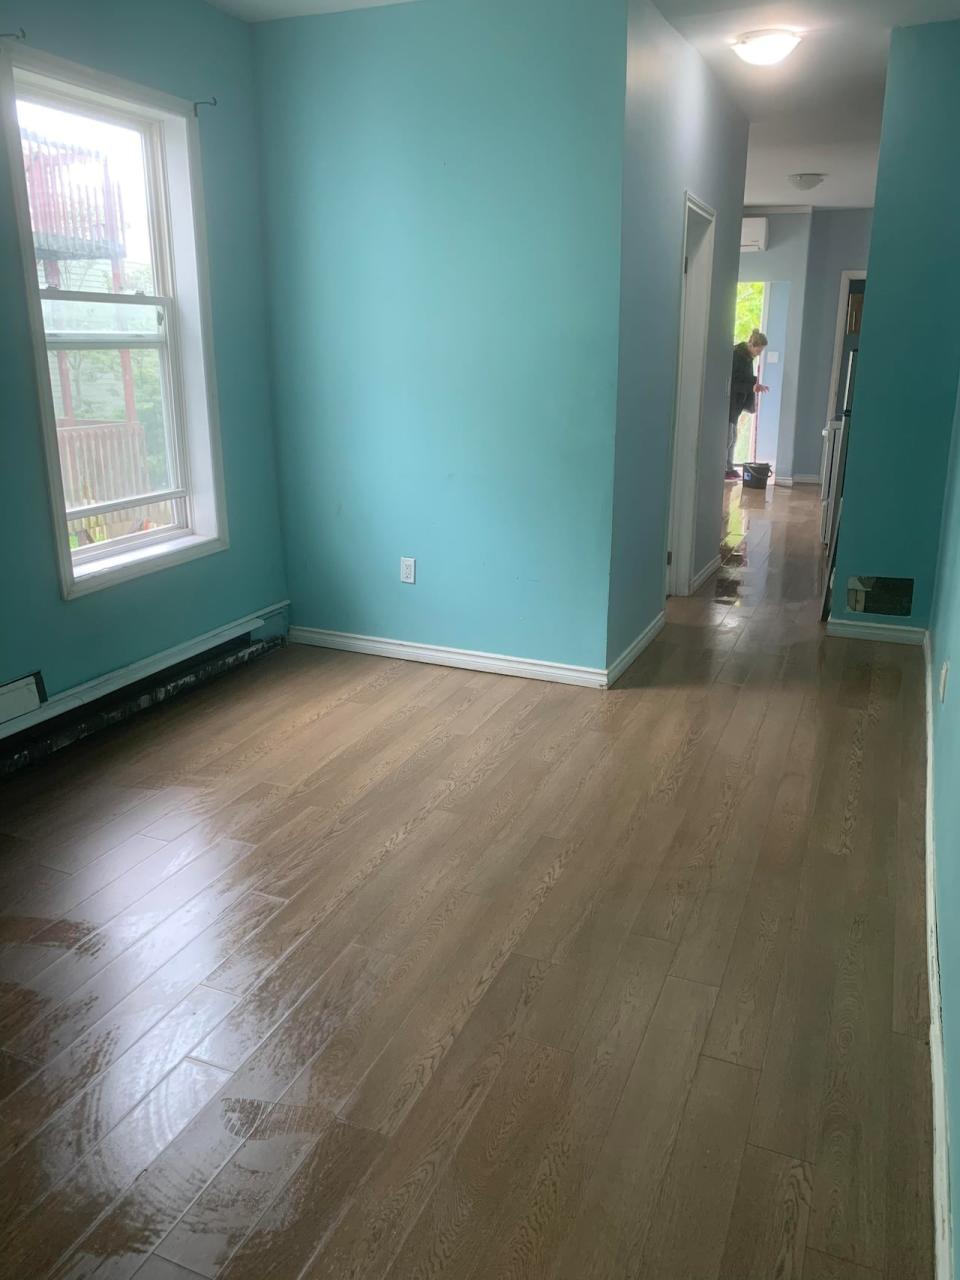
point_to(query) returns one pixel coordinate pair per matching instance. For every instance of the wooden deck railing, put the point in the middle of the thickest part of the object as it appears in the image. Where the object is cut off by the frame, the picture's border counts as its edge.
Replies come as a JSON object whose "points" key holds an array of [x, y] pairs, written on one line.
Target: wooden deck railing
{"points": [[101, 461]]}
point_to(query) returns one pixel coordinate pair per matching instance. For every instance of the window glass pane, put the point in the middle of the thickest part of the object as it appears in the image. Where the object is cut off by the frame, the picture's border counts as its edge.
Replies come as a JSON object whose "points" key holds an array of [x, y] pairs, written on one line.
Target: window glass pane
{"points": [[87, 189], [111, 423], [100, 317], [106, 183], [91, 531]]}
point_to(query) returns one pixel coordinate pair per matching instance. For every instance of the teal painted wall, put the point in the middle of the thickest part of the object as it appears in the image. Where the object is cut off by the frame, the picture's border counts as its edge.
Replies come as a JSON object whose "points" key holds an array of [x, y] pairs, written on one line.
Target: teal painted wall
{"points": [[187, 48], [900, 519], [445, 184], [910, 346], [682, 133], [945, 647], [925, 65], [443, 190]]}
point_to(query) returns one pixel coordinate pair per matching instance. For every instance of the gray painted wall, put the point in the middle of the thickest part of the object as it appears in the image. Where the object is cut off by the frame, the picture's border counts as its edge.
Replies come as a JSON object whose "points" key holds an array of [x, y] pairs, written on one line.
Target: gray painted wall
{"points": [[808, 252], [683, 133], [775, 323], [839, 241], [785, 261]]}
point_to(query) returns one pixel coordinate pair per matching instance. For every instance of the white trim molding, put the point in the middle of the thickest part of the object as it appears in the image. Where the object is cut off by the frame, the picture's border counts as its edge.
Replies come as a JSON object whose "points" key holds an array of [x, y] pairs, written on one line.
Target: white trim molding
{"points": [[634, 650], [476, 660], [706, 572], [885, 631], [90, 691], [442, 656], [806, 479], [943, 1226], [783, 482]]}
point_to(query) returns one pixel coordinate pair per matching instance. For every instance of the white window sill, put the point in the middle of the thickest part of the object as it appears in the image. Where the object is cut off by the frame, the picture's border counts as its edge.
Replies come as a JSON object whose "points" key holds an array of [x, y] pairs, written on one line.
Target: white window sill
{"points": [[133, 562]]}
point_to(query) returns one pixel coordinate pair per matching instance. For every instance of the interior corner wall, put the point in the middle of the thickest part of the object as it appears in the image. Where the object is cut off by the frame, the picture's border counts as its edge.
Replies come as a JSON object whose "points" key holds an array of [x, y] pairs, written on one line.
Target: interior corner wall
{"points": [[785, 261], [683, 134], [189, 49], [906, 389], [839, 241], [443, 188]]}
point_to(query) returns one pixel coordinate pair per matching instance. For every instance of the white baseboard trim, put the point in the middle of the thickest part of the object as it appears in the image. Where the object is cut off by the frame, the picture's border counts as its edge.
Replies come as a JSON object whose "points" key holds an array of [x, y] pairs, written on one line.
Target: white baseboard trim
{"points": [[783, 482], [634, 650], [788, 482], [943, 1227], [806, 479], [442, 656], [82, 694], [700, 578], [886, 631], [476, 660]]}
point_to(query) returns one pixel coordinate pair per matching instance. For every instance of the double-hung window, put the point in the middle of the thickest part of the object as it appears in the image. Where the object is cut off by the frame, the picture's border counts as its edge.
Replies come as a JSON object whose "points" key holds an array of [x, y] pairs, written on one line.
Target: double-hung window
{"points": [[107, 187]]}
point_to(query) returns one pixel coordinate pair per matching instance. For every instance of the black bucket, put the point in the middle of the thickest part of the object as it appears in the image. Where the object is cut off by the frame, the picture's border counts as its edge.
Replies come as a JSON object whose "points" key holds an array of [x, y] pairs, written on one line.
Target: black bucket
{"points": [[756, 475]]}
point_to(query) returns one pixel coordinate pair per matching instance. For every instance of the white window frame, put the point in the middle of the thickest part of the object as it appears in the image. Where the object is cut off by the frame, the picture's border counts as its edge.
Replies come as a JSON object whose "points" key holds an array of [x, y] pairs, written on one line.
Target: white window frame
{"points": [[173, 174]]}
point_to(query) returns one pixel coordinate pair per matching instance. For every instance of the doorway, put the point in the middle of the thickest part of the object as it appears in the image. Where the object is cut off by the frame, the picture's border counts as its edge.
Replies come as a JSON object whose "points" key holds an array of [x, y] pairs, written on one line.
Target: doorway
{"points": [[696, 279], [840, 405], [751, 313], [764, 305]]}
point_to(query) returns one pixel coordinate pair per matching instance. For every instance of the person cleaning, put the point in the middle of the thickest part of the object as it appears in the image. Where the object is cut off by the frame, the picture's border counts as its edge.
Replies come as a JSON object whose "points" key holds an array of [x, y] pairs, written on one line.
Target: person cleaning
{"points": [[744, 389]]}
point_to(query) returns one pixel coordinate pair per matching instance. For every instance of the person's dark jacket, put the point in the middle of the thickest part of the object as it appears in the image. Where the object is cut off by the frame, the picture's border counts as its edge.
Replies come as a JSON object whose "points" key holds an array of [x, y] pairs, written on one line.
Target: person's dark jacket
{"points": [[743, 382]]}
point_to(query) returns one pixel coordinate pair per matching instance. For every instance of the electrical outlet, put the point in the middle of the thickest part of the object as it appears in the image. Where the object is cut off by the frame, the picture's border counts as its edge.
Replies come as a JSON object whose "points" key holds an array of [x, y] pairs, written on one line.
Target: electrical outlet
{"points": [[944, 673], [408, 569]]}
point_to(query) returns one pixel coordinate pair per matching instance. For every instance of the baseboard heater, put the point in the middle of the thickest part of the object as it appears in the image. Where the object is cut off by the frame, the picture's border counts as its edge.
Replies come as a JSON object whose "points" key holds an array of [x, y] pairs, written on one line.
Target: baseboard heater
{"points": [[62, 728], [21, 697]]}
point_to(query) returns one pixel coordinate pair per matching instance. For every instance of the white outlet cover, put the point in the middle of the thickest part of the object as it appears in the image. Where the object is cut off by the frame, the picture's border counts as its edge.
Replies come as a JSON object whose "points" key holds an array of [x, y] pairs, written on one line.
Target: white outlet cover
{"points": [[944, 673], [773, 357], [408, 569]]}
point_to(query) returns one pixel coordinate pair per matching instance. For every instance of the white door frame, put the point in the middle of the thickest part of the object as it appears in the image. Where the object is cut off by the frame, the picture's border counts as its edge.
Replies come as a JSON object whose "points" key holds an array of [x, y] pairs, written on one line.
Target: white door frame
{"points": [[834, 443], [839, 334], [764, 325], [682, 518]]}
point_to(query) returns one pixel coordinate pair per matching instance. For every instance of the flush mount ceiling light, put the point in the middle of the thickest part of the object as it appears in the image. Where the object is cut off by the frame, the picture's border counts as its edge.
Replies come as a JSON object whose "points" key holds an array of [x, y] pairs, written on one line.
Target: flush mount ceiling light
{"points": [[805, 181], [765, 48]]}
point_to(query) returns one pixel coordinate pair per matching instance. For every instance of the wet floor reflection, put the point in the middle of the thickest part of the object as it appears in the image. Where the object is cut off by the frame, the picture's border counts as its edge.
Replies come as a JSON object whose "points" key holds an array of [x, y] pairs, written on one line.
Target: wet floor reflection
{"points": [[206, 1075], [756, 524], [765, 594]]}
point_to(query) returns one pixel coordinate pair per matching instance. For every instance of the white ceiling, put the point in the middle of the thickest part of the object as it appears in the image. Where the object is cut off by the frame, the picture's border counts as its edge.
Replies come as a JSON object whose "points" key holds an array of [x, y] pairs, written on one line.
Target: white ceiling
{"points": [[820, 110], [817, 112]]}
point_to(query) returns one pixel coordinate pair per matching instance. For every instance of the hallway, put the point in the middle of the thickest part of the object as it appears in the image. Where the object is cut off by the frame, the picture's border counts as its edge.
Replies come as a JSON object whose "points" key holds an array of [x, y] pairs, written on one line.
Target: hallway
{"points": [[348, 967]]}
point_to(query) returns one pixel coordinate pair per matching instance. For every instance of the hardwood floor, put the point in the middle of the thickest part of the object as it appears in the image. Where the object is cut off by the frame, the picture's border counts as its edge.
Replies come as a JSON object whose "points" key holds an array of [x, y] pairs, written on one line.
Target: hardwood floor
{"points": [[345, 967]]}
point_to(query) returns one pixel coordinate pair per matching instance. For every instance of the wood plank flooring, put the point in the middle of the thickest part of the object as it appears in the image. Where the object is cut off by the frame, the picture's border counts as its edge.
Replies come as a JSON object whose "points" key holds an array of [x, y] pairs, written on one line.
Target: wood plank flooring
{"points": [[347, 969]]}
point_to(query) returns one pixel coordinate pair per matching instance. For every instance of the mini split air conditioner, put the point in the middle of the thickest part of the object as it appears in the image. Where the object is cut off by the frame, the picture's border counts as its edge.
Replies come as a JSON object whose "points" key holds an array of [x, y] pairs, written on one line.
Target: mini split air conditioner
{"points": [[753, 235]]}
